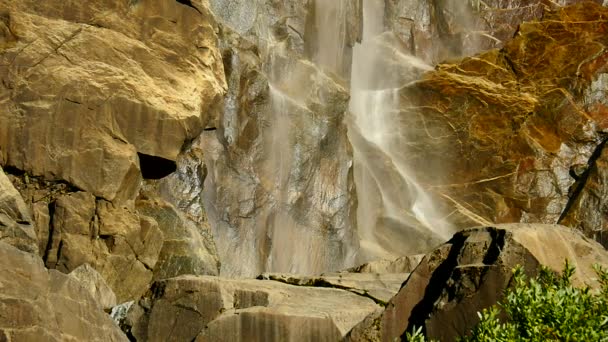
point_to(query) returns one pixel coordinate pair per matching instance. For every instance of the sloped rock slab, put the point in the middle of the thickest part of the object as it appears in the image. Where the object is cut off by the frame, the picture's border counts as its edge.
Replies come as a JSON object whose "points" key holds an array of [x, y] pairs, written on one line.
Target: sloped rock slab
{"points": [[379, 287], [206, 308]]}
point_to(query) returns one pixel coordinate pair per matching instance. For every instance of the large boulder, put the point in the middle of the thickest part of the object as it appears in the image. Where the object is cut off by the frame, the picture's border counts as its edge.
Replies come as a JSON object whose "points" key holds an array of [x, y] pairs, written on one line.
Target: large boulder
{"points": [[471, 272], [207, 308], [45, 305]]}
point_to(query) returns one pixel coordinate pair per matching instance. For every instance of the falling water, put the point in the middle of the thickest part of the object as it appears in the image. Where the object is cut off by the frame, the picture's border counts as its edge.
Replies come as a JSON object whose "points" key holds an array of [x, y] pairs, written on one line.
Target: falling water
{"points": [[330, 40], [396, 215], [294, 245]]}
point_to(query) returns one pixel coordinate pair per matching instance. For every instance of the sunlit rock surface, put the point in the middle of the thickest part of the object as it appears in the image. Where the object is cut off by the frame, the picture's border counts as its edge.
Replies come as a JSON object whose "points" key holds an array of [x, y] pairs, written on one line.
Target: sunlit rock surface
{"points": [[92, 281], [108, 82], [405, 264], [97, 96], [16, 222], [495, 137], [471, 271], [191, 308], [45, 305], [380, 287]]}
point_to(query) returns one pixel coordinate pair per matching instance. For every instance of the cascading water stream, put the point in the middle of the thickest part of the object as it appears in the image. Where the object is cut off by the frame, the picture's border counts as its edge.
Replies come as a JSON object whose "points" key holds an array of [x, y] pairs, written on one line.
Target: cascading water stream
{"points": [[292, 245], [291, 205], [396, 215]]}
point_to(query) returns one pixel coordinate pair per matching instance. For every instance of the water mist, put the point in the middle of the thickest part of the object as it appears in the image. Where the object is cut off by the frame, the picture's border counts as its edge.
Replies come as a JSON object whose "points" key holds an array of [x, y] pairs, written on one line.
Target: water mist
{"points": [[396, 214]]}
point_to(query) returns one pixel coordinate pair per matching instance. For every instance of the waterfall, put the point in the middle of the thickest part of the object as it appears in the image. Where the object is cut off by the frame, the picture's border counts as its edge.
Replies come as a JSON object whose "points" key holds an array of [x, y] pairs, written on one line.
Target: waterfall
{"points": [[396, 214], [296, 231]]}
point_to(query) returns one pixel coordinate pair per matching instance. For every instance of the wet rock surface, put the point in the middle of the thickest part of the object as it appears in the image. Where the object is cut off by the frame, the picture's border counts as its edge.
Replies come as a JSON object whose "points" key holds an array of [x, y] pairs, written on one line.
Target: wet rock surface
{"points": [[587, 209], [219, 309], [280, 166], [471, 271], [497, 134]]}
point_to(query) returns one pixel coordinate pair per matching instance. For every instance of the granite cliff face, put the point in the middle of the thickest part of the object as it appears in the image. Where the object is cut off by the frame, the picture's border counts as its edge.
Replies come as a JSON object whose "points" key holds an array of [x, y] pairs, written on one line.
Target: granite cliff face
{"points": [[148, 147], [97, 97]]}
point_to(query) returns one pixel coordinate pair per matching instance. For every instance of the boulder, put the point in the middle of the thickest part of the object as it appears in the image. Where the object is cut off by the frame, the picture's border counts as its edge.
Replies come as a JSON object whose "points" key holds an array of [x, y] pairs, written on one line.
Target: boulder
{"points": [[45, 305], [96, 285], [16, 222], [114, 239], [208, 308], [471, 271]]}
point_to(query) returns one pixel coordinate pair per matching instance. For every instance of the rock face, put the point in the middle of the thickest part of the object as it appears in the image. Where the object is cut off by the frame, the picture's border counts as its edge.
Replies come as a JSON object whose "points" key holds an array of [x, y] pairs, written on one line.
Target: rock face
{"points": [[45, 305], [16, 223], [471, 271], [186, 247], [587, 209], [405, 264], [96, 285], [436, 30], [280, 194], [497, 136], [96, 97], [191, 308], [109, 76]]}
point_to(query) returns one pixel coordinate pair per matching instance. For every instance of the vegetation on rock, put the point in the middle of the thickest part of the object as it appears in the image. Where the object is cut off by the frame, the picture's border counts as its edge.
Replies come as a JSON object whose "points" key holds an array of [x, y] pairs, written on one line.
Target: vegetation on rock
{"points": [[544, 308]]}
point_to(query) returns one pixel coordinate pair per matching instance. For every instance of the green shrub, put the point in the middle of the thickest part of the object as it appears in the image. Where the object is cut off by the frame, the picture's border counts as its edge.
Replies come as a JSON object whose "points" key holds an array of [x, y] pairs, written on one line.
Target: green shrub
{"points": [[545, 308]]}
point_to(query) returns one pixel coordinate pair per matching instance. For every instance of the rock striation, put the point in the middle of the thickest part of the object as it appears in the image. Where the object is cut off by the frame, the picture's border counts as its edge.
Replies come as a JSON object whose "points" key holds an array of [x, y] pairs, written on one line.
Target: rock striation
{"points": [[471, 271], [501, 136], [206, 308], [98, 97], [46, 305]]}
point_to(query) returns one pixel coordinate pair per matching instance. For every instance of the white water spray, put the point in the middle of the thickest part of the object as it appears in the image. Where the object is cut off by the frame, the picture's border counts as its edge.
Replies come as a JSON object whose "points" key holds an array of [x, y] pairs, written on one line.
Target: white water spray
{"points": [[396, 215]]}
